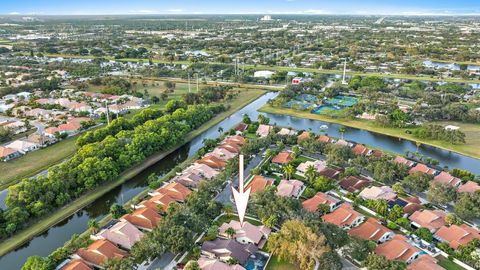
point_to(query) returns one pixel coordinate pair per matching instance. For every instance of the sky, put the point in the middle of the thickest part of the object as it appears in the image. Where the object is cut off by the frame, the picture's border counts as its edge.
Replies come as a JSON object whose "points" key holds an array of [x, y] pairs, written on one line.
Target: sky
{"points": [[108, 7]]}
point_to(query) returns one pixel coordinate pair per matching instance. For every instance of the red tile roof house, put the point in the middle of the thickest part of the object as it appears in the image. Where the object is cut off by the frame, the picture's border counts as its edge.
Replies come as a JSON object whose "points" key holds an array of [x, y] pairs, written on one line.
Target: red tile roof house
{"points": [[344, 217], [188, 179], [259, 183], [143, 218], [222, 154], [7, 154], [360, 149], [99, 253], [305, 135], [290, 188], [378, 193], [240, 128], [447, 179], [123, 234], [398, 249], [319, 165], [236, 139], [423, 168], [469, 187], [264, 130], [404, 161], [372, 230], [230, 146], [283, 158], [224, 250], [214, 264], [325, 139], [354, 183], [248, 234], [430, 219], [212, 162], [330, 173], [311, 204], [158, 203], [425, 262], [457, 235], [175, 190], [76, 265], [202, 170]]}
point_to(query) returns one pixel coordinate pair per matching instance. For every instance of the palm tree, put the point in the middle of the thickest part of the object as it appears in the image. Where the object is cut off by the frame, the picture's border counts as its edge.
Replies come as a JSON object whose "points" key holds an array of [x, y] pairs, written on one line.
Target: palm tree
{"points": [[310, 173], [288, 171], [93, 225], [381, 207], [342, 131], [418, 144], [228, 209], [220, 129], [230, 232]]}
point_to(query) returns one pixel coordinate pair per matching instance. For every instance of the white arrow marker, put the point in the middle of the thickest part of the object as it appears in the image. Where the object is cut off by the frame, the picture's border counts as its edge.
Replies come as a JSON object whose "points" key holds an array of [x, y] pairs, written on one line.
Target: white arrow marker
{"points": [[241, 196]]}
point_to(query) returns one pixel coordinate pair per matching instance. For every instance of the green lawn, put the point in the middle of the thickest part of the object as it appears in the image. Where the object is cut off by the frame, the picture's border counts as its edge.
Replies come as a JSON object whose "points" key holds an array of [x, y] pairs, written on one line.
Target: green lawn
{"points": [[472, 131], [276, 264], [244, 98], [35, 162], [449, 265]]}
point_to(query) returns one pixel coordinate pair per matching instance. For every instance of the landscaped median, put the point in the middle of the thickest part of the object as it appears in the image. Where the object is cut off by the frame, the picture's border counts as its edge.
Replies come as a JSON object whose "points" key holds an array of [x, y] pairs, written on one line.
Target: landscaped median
{"points": [[470, 148], [43, 224]]}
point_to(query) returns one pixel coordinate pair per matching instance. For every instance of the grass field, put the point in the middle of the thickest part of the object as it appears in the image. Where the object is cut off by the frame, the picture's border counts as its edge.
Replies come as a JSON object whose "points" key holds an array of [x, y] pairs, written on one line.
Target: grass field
{"points": [[276, 264], [449, 265], [42, 225], [35, 162], [472, 131]]}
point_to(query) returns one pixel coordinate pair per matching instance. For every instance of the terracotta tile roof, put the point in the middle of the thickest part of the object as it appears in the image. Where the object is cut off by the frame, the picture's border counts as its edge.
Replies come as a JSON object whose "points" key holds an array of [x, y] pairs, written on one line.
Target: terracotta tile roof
{"points": [[236, 139], [5, 151], [161, 202], [319, 165], [286, 132], [100, 251], [330, 173], [175, 190], [397, 249], [259, 183], [241, 127], [123, 233], [422, 168], [283, 158], [457, 235], [311, 204], [370, 230], [223, 154], [144, 218], [230, 146], [470, 187], [412, 208], [263, 130], [305, 135], [425, 262], [342, 216], [77, 264], [189, 179], [404, 161], [377, 153], [254, 233], [212, 162], [354, 183], [360, 149], [447, 179], [214, 264], [430, 219], [289, 188], [324, 138]]}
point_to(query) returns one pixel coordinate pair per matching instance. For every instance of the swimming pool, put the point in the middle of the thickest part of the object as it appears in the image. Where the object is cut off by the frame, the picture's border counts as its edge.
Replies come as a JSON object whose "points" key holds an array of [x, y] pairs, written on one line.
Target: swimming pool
{"points": [[256, 261]]}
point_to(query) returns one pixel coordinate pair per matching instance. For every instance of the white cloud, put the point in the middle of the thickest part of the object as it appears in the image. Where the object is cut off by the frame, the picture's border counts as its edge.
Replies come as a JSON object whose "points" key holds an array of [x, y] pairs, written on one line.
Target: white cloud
{"points": [[143, 11], [315, 11], [175, 10], [14, 13]]}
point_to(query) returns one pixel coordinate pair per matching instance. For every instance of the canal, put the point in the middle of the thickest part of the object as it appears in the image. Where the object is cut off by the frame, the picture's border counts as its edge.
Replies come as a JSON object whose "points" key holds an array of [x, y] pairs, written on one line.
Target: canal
{"points": [[48, 241]]}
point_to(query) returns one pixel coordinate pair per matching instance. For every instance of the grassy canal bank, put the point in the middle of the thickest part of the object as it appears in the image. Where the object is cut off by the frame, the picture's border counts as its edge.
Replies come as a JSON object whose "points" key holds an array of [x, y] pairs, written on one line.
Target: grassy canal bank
{"points": [[471, 131], [41, 225]]}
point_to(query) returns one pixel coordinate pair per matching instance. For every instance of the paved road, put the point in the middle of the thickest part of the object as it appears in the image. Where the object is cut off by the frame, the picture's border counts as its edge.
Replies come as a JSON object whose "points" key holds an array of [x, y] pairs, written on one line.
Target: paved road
{"points": [[224, 196], [348, 265], [159, 263]]}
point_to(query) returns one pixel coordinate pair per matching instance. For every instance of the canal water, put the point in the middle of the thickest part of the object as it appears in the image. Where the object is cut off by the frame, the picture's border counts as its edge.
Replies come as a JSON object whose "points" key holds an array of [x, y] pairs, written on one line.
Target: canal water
{"points": [[48, 241]]}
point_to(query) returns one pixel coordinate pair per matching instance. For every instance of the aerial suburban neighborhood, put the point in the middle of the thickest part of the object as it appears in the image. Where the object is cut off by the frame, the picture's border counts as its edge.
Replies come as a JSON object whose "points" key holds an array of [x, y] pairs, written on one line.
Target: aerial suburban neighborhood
{"points": [[248, 135]]}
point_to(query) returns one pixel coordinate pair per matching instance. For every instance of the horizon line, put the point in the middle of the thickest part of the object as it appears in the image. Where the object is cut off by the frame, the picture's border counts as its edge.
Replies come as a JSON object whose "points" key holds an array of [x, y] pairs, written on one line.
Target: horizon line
{"points": [[405, 14]]}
